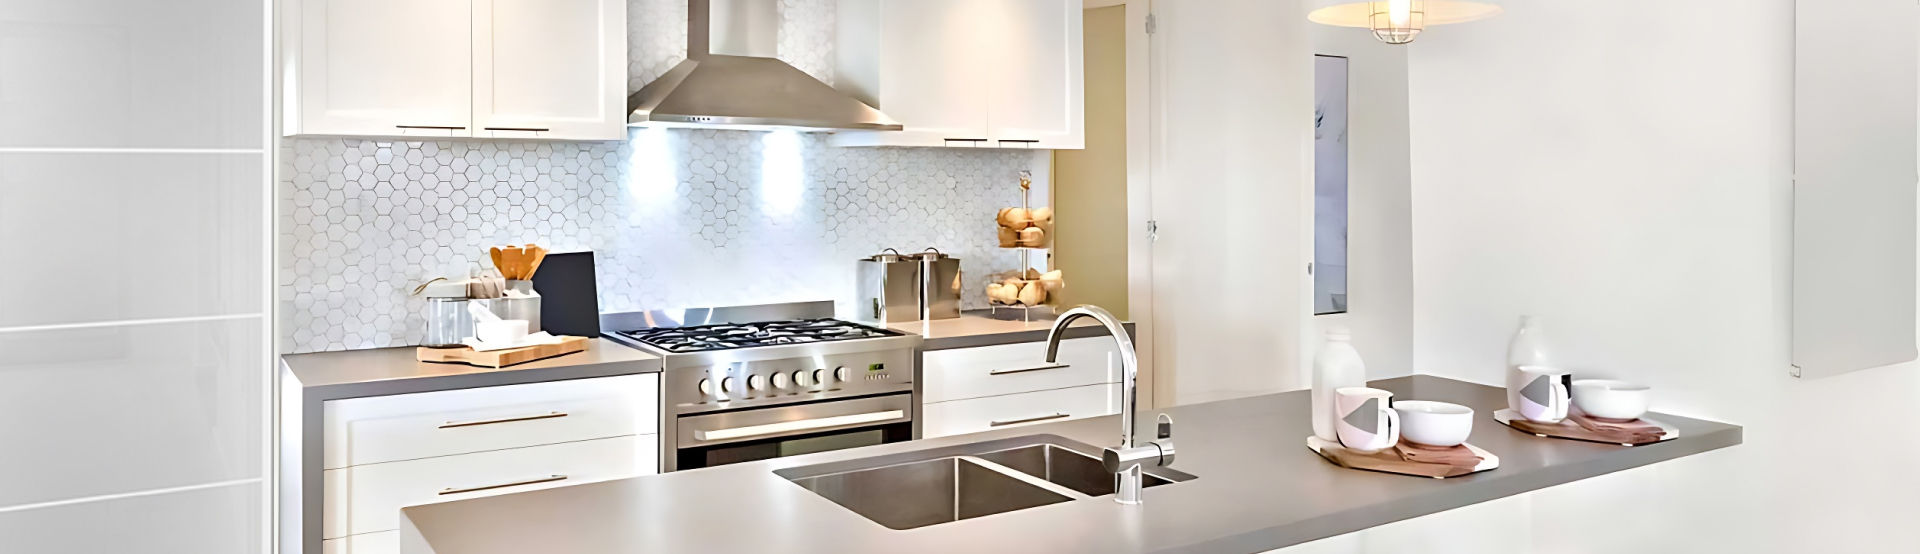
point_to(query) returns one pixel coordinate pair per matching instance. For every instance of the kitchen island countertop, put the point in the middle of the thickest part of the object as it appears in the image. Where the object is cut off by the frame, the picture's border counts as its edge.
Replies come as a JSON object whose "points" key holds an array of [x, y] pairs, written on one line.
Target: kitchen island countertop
{"points": [[1258, 488]]}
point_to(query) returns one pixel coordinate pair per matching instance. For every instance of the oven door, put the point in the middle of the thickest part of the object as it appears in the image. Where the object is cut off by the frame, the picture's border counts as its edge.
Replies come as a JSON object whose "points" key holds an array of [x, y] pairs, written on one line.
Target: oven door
{"points": [[757, 434]]}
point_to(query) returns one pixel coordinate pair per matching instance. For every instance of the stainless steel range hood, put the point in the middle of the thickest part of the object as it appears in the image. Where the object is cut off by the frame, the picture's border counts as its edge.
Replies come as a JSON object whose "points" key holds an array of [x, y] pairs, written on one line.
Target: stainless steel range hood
{"points": [[724, 91]]}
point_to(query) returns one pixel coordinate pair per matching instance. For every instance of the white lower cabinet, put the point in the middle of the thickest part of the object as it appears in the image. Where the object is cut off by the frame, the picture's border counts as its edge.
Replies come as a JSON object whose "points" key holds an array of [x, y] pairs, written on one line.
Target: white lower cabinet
{"points": [[957, 417], [385, 453], [366, 499]]}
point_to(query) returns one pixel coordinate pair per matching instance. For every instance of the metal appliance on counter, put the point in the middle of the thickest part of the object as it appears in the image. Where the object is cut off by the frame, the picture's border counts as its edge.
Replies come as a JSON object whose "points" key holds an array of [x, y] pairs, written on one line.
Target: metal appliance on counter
{"points": [[939, 285], [891, 287], [755, 382], [887, 287]]}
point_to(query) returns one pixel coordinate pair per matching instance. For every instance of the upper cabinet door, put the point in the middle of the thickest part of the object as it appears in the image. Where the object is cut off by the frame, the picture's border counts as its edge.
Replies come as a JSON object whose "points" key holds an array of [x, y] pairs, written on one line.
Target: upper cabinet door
{"points": [[920, 62], [965, 73], [1855, 83], [382, 67], [1037, 75], [550, 69]]}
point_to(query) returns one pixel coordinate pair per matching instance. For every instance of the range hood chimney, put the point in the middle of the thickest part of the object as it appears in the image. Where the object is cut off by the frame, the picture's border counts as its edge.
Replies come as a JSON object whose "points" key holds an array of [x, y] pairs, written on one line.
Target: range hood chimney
{"points": [[751, 92]]}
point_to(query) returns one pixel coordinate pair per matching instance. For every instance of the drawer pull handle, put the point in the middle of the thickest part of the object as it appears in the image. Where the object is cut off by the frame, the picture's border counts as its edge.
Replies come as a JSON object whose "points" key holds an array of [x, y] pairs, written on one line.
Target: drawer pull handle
{"points": [[453, 424], [536, 480], [1006, 422], [1027, 369], [434, 127], [532, 129]]}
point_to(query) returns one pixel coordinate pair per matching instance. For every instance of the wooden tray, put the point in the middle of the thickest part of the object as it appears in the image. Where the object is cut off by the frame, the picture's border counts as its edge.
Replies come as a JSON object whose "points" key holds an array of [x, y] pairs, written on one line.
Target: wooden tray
{"points": [[1386, 461], [501, 358], [1568, 429]]}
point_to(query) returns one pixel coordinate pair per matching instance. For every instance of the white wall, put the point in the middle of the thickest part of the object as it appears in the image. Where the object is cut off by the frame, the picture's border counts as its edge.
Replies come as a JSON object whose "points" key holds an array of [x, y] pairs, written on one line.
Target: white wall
{"points": [[1627, 177], [1379, 202]]}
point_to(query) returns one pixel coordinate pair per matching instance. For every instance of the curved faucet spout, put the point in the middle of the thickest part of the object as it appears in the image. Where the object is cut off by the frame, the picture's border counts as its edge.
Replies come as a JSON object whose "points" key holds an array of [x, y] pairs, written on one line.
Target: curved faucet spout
{"points": [[1125, 460]]}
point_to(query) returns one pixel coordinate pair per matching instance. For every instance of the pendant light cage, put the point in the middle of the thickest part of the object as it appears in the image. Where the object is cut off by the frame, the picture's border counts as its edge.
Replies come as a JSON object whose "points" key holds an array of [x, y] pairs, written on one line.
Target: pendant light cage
{"points": [[1397, 21]]}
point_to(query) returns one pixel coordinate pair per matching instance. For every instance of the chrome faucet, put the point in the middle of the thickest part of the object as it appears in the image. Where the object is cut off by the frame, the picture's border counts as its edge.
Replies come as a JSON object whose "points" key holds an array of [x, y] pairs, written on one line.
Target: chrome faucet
{"points": [[1123, 461]]}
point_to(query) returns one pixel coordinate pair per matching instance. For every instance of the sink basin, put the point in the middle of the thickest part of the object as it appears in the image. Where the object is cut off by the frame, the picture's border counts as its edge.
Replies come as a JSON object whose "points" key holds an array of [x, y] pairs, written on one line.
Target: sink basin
{"points": [[1067, 468], [942, 485], [919, 494]]}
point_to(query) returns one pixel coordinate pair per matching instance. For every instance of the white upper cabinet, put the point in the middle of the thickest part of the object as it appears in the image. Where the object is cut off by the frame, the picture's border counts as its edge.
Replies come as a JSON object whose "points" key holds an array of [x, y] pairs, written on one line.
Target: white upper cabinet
{"points": [[1037, 78], [550, 68], [965, 73], [381, 67], [553, 69]]}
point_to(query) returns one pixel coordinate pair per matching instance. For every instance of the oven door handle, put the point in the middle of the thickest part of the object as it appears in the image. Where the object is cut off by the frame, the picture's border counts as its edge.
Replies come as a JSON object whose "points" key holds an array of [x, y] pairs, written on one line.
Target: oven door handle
{"points": [[797, 426]]}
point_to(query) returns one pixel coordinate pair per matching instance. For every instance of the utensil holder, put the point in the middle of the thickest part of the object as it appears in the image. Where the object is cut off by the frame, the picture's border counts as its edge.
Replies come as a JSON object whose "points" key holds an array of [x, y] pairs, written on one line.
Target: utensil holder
{"points": [[524, 307]]}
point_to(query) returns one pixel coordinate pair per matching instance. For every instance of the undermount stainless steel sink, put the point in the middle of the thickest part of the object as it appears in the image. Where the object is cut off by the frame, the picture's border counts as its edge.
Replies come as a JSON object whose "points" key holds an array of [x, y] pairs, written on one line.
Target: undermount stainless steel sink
{"points": [[917, 489], [1067, 468]]}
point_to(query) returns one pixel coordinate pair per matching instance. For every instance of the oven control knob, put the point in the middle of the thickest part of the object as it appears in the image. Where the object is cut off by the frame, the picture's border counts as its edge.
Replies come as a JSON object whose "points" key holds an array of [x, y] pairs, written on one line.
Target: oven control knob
{"points": [[819, 377], [706, 387], [756, 382], [727, 385], [803, 378], [780, 380], [840, 374]]}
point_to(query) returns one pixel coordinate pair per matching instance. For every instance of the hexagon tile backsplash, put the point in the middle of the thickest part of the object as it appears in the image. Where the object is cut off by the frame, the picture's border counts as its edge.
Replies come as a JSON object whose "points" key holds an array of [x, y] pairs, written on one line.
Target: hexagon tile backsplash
{"points": [[675, 218]]}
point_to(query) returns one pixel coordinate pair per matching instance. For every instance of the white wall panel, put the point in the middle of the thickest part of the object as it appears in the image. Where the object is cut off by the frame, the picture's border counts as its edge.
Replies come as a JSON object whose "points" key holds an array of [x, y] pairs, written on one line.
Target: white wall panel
{"points": [[109, 236], [104, 73]]}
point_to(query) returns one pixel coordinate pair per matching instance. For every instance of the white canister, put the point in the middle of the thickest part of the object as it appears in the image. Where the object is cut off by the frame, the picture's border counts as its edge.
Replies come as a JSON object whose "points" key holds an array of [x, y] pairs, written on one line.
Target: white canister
{"points": [[1528, 348], [1336, 365]]}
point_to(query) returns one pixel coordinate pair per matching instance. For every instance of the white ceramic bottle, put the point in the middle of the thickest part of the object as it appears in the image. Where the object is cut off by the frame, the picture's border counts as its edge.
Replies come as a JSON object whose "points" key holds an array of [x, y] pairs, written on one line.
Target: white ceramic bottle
{"points": [[1335, 365], [1528, 347]]}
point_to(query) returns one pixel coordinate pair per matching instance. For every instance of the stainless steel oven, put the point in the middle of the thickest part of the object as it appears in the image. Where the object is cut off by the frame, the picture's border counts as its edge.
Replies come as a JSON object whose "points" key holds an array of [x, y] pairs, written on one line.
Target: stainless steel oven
{"points": [[758, 382], [758, 434]]}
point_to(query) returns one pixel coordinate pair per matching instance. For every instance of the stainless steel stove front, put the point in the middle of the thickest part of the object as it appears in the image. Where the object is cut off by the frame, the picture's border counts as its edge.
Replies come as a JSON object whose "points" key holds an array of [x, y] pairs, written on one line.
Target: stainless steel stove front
{"points": [[767, 395]]}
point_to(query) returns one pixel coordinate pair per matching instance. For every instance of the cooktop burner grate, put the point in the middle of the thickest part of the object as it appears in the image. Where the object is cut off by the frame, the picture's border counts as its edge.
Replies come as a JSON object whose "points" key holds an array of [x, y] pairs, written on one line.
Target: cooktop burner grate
{"points": [[725, 336]]}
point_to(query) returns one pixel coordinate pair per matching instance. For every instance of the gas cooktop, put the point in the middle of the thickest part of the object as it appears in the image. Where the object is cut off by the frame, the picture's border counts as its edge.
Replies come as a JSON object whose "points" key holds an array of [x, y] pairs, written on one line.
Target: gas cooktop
{"points": [[727, 336]]}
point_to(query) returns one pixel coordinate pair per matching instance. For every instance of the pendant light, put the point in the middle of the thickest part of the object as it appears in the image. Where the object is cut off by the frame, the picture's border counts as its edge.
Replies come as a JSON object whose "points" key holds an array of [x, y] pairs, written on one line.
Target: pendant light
{"points": [[1399, 21]]}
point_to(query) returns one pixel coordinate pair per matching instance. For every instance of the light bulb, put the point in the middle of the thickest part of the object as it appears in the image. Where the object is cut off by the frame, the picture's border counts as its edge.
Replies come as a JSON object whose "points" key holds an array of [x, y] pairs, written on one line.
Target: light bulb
{"points": [[1400, 13]]}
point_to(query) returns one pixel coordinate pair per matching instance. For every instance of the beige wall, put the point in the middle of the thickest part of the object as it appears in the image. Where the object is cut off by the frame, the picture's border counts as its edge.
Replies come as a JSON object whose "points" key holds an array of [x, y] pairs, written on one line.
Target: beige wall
{"points": [[1090, 186]]}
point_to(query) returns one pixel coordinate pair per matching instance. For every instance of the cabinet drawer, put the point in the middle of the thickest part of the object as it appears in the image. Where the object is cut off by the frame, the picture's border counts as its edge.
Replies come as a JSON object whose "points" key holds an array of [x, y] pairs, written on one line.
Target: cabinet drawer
{"points": [[999, 412], [964, 373], [411, 426], [368, 498], [384, 542]]}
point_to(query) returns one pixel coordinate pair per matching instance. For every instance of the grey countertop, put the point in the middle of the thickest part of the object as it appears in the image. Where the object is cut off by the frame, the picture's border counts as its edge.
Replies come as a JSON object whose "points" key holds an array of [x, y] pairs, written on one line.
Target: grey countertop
{"points": [[1258, 488], [975, 328], [383, 371]]}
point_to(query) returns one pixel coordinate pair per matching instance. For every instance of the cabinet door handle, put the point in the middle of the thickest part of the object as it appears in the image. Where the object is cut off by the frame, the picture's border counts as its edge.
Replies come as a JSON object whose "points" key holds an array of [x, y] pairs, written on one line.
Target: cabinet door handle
{"points": [[440, 127], [548, 415], [533, 129], [1027, 369], [1006, 422], [536, 480]]}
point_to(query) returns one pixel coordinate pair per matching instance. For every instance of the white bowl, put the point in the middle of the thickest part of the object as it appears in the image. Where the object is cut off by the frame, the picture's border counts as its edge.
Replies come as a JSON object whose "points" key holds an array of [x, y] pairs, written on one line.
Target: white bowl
{"points": [[1611, 399], [1434, 423]]}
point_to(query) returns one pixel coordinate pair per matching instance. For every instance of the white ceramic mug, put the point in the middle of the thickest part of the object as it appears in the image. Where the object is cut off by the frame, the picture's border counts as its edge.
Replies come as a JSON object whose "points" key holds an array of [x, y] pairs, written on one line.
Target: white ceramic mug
{"points": [[1544, 398], [1434, 423], [1364, 419], [1611, 399]]}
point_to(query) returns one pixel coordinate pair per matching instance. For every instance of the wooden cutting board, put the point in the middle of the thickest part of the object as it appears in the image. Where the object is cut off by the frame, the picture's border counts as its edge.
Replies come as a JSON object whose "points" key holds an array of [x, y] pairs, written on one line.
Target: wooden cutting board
{"points": [[1568, 429], [1386, 461], [501, 358]]}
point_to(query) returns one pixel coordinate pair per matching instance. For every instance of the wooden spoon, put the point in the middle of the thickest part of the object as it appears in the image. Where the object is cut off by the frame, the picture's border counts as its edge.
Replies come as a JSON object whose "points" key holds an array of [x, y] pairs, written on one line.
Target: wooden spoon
{"points": [[538, 255], [495, 252]]}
